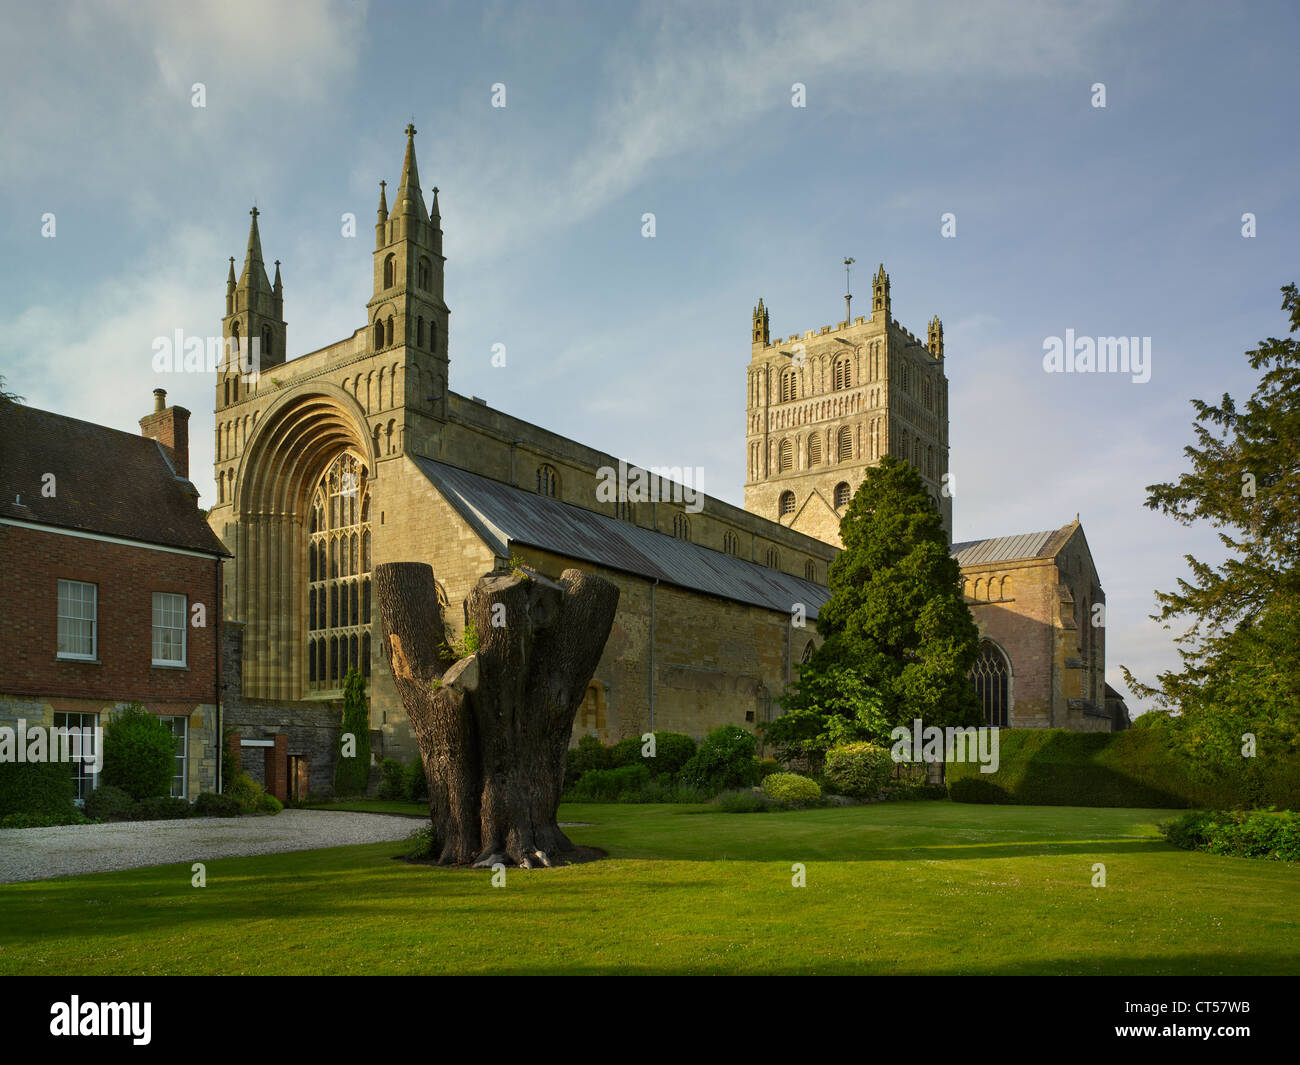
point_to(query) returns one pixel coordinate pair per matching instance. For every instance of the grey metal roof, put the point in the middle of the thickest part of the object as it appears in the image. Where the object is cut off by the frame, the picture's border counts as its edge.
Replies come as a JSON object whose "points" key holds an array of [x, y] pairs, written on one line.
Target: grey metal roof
{"points": [[502, 514], [1002, 548]]}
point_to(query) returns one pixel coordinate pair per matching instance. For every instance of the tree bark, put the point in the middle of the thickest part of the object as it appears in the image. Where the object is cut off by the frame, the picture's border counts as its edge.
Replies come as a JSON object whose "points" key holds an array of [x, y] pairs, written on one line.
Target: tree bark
{"points": [[493, 726]]}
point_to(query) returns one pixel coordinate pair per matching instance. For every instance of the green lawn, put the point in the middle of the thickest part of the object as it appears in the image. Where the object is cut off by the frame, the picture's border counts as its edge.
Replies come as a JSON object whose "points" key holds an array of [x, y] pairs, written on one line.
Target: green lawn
{"points": [[374, 806], [891, 888]]}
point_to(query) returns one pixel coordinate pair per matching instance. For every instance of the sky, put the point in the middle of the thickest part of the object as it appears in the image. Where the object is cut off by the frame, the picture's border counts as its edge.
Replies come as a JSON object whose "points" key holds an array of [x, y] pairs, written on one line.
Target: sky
{"points": [[1122, 220]]}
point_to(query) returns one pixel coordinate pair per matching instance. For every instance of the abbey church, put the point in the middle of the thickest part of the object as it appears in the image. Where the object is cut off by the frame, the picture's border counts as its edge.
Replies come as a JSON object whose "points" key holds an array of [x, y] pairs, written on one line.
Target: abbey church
{"points": [[336, 460]]}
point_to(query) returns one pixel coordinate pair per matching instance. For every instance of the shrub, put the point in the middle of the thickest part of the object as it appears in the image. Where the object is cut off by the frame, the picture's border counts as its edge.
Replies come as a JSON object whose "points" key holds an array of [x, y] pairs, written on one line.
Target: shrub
{"points": [[417, 784], [607, 785], [725, 760], [672, 751], [767, 766], [209, 804], [270, 805], [392, 779], [1239, 833], [626, 752], [746, 801], [107, 803], [589, 754], [419, 844], [247, 793], [791, 789], [38, 788], [352, 773], [858, 769], [139, 754], [72, 817], [160, 808]]}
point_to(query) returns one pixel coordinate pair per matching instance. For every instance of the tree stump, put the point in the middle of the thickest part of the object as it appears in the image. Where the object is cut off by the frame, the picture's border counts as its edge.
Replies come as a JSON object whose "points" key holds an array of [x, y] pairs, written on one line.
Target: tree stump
{"points": [[494, 724]]}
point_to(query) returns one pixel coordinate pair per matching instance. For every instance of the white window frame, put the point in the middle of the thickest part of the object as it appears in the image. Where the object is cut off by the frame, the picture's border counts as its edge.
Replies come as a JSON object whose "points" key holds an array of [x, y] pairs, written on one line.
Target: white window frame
{"points": [[93, 619], [81, 771], [182, 756], [185, 605]]}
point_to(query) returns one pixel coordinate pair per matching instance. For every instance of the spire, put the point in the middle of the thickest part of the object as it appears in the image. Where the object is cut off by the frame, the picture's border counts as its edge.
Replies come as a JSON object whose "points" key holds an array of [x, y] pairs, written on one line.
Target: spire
{"points": [[936, 337], [277, 293], [409, 199], [383, 202], [434, 213], [254, 268], [230, 277], [761, 335]]}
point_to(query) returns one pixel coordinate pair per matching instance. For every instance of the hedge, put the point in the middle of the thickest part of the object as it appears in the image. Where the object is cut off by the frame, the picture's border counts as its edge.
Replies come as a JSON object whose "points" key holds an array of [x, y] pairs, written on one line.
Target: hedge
{"points": [[1136, 767], [43, 788]]}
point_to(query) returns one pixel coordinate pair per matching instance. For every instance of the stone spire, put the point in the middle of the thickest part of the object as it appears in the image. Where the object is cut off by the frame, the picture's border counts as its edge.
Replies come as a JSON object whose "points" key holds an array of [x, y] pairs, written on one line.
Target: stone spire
{"points": [[410, 202], [383, 202], [254, 275]]}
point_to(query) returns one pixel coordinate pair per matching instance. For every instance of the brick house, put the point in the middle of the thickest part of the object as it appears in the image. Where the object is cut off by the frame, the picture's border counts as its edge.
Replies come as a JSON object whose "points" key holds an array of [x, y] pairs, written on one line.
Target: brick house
{"points": [[111, 591]]}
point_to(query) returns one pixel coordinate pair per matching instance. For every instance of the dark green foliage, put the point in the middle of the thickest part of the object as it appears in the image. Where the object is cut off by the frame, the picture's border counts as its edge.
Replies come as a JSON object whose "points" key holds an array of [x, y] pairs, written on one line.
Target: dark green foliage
{"points": [[589, 754], [828, 704], [606, 785], [230, 762], [351, 774], [672, 751], [625, 752], [139, 754], [270, 805], [209, 804], [905, 792], [247, 792], [767, 766], [72, 817], [107, 803], [392, 779], [43, 788], [746, 801], [1240, 833], [725, 760], [419, 844], [160, 808], [1137, 767], [417, 784]]}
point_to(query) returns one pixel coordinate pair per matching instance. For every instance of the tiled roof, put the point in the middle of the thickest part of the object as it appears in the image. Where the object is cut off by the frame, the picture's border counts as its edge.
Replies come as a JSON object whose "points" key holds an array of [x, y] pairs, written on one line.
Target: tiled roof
{"points": [[502, 514], [1006, 548], [105, 481]]}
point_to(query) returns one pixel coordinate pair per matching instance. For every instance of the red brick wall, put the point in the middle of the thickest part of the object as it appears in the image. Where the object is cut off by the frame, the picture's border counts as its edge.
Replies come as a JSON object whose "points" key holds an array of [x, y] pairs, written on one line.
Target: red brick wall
{"points": [[127, 577]]}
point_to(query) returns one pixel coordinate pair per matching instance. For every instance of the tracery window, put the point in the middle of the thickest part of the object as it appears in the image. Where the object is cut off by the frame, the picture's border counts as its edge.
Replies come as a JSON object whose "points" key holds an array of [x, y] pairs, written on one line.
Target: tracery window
{"points": [[338, 575], [992, 677]]}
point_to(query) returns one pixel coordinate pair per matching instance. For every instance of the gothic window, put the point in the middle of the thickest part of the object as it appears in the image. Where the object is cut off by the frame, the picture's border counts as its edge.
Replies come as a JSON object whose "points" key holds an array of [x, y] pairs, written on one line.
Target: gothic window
{"points": [[842, 495], [338, 599], [810, 570], [787, 456], [992, 677], [390, 264], [546, 480], [814, 450], [787, 503], [844, 444], [773, 558], [807, 653], [730, 544], [681, 527]]}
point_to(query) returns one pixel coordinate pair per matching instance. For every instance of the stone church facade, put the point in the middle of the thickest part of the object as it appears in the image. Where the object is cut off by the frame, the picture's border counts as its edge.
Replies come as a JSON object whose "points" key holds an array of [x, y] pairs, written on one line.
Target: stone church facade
{"points": [[359, 453]]}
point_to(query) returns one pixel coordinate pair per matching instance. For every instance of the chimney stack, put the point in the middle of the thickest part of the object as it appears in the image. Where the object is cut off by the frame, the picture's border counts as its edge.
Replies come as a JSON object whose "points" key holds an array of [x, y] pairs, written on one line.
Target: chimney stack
{"points": [[170, 426]]}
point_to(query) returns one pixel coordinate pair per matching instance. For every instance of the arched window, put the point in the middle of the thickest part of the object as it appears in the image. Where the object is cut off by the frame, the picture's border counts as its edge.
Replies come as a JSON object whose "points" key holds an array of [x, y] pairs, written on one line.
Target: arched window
{"points": [[786, 456], [842, 495], [547, 481], [773, 558], [392, 336], [789, 386], [810, 570], [422, 274], [419, 332], [844, 444], [339, 574], [234, 338], [266, 343], [787, 503], [815, 449], [992, 678], [730, 544], [1006, 588], [390, 269], [227, 397], [379, 334], [843, 374], [681, 527]]}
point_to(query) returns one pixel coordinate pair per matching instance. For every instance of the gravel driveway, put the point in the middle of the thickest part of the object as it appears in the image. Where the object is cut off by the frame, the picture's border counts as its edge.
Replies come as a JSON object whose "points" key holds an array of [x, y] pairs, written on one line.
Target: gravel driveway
{"points": [[41, 853]]}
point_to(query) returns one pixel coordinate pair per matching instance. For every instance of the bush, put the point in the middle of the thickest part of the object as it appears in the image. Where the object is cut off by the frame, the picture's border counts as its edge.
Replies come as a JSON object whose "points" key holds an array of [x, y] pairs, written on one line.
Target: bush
{"points": [[588, 755], [417, 784], [791, 789], [1238, 833], [72, 817], [107, 803], [607, 785], [725, 760], [747, 801], [270, 805], [1137, 767], [419, 844], [626, 752], [672, 751], [160, 808], [209, 804], [246, 792], [858, 769], [139, 754], [767, 766], [37, 788], [392, 779]]}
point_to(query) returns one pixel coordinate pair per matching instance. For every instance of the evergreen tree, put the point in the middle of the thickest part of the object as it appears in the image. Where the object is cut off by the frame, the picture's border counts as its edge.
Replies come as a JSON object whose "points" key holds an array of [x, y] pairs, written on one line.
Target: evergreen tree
{"points": [[352, 773], [896, 616]]}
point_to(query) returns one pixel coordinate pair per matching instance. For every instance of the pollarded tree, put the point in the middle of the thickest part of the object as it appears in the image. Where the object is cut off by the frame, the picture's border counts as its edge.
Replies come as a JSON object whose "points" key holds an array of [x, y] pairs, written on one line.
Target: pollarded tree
{"points": [[896, 615], [493, 717], [1240, 664]]}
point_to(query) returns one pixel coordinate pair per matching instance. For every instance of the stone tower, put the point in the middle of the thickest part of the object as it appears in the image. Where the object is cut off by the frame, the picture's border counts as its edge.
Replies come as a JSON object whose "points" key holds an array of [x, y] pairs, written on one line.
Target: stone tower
{"points": [[824, 406], [253, 329]]}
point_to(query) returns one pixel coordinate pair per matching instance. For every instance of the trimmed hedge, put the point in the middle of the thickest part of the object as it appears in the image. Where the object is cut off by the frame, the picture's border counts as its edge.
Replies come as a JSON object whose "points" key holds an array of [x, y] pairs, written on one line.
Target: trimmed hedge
{"points": [[37, 788], [791, 789], [1136, 767]]}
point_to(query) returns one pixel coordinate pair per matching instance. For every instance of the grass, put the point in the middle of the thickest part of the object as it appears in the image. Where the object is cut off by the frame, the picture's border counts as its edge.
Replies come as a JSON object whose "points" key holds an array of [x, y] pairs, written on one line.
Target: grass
{"points": [[927, 887], [374, 806]]}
